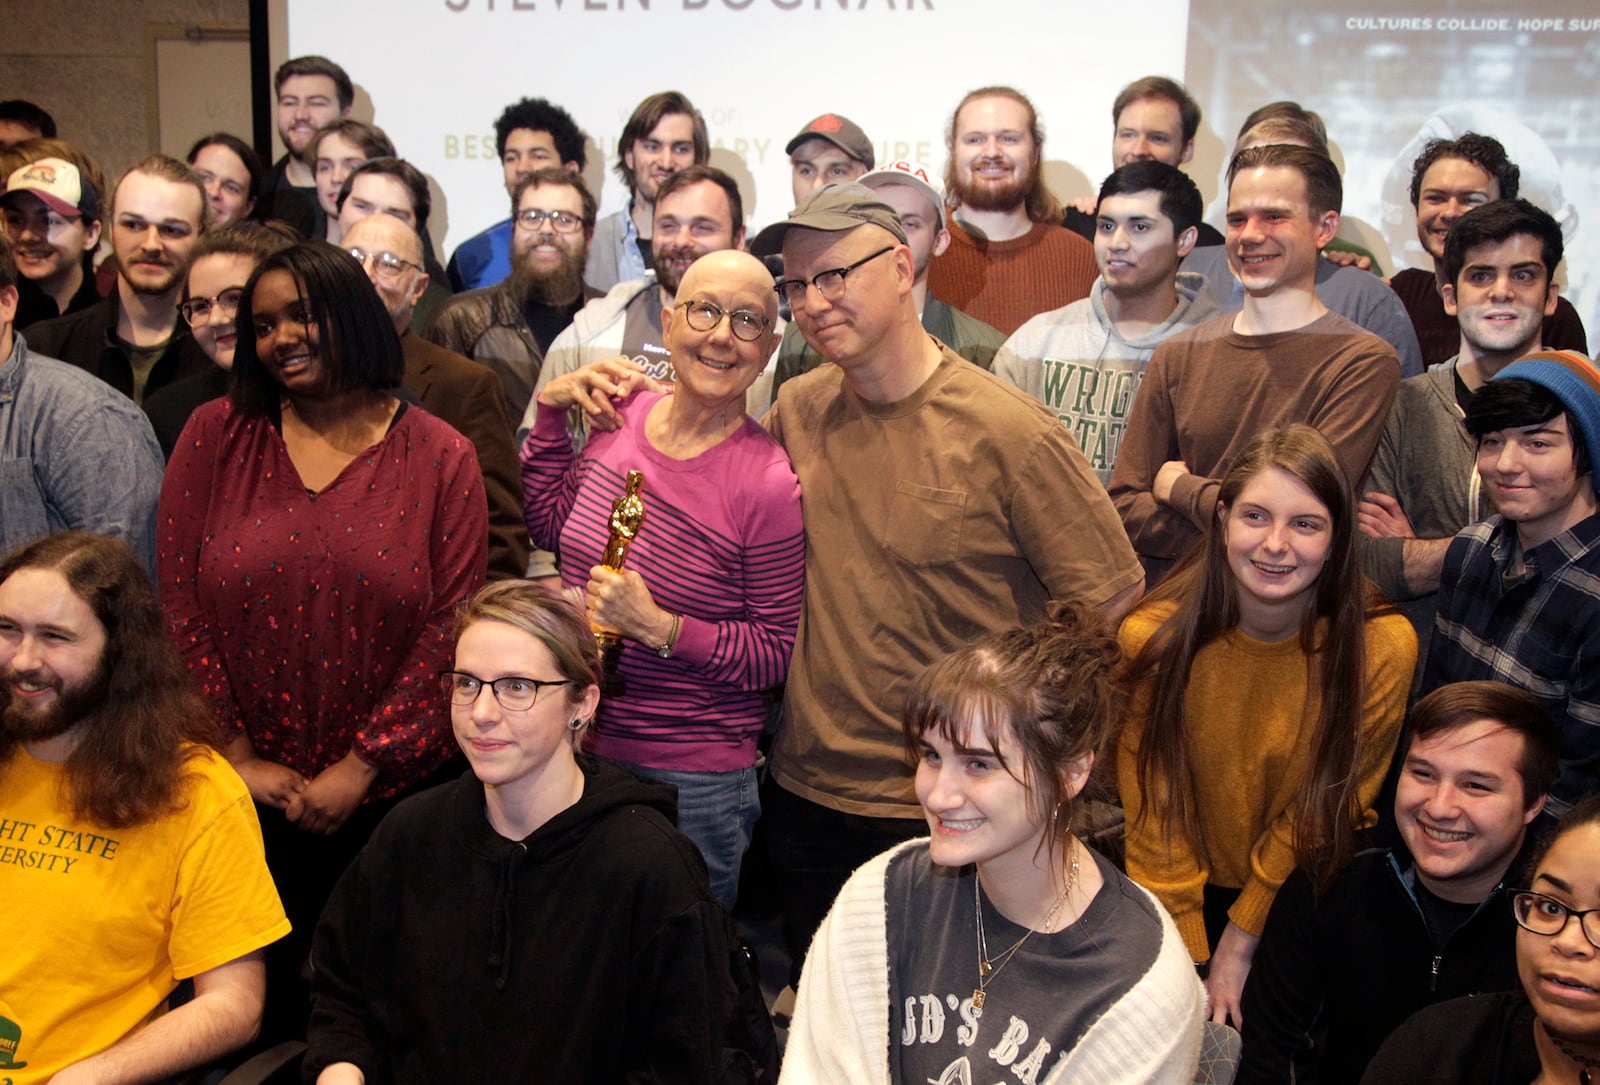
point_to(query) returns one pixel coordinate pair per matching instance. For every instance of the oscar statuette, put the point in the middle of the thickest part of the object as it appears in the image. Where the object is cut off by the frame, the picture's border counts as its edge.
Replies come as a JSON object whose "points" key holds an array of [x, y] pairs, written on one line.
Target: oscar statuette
{"points": [[627, 516]]}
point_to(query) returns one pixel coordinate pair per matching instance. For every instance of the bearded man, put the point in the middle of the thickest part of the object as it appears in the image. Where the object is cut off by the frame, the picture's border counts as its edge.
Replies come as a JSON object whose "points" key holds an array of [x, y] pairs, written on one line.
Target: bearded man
{"points": [[131, 852], [510, 326], [1008, 259], [133, 340]]}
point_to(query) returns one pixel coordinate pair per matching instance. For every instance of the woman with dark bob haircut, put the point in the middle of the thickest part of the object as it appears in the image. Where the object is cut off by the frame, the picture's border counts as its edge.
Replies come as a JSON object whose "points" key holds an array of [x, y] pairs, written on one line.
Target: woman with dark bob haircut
{"points": [[314, 534], [1002, 942]]}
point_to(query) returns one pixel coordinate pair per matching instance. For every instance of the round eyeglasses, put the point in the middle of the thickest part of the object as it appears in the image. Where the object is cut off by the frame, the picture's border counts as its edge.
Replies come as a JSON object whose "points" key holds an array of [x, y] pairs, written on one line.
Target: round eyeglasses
{"points": [[198, 310], [746, 324], [1547, 916], [514, 692]]}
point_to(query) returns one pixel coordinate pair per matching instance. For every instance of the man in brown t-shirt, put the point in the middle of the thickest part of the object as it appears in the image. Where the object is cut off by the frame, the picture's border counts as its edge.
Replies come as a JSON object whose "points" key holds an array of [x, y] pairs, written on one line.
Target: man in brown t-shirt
{"points": [[1285, 357], [939, 502]]}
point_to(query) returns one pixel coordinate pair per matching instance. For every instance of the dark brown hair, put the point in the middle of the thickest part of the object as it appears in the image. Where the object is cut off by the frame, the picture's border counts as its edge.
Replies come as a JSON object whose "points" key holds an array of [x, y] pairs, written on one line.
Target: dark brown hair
{"points": [[129, 766], [1461, 704], [1054, 686], [1205, 592], [1324, 187], [649, 113]]}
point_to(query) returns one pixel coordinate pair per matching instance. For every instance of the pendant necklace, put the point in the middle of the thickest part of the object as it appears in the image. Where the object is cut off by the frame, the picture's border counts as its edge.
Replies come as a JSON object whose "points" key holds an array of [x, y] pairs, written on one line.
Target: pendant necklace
{"points": [[1584, 1064], [989, 967]]}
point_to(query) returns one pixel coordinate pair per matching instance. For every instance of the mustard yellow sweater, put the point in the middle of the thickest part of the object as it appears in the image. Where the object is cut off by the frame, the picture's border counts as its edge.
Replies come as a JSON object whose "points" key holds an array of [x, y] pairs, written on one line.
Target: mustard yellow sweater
{"points": [[1249, 723]]}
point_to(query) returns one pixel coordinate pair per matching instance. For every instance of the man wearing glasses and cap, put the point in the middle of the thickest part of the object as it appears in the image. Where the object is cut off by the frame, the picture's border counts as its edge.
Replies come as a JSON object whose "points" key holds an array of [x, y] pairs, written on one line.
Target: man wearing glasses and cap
{"points": [[918, 201], [914, 544]]}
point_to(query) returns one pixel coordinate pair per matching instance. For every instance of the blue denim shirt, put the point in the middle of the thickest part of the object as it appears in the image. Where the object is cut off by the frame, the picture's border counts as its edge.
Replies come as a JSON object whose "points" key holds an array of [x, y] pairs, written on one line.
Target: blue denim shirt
{"points": [[74, 453]]}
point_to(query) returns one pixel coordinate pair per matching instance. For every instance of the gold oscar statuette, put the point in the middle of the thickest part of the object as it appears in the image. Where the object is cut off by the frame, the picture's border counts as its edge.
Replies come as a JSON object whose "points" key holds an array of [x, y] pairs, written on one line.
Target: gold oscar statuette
{"points": [[627, 516]]}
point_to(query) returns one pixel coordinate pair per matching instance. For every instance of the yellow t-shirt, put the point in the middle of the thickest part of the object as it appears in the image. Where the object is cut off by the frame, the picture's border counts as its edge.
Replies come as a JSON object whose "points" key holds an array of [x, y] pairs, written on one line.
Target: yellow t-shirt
{"points": [[101, 924]]}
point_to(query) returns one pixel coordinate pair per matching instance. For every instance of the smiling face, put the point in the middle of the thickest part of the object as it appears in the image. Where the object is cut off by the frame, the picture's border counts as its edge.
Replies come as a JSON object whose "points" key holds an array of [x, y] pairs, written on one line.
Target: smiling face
{"points": [[305, 104], [48, 246], [977, 811], [1561, 973], [667, 149], [288, 340], [1530, 474], [1135, 246], [516, 754], [1273, 237], [716, 367], [155, 223], [1502, 297], [994, 157], [1150, 129], [218, 275], [227, 183], [690, 222], [1450, 188], [1277, 537], [1460, 808], [51, 650]]}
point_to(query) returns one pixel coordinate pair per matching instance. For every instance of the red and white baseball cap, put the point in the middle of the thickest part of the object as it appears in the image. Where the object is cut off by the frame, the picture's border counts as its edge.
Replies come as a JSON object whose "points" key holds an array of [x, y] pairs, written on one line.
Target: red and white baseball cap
{"points": [[59, 184]]}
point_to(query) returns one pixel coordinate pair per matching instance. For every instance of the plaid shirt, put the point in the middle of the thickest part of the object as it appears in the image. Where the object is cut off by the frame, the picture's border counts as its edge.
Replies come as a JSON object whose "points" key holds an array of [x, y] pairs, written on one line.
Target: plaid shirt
{"points": [[1541, 633]]}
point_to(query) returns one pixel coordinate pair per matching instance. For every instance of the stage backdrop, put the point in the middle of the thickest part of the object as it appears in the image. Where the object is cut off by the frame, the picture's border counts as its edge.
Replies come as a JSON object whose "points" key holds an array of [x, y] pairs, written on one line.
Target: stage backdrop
{"points": [[435, 73]]}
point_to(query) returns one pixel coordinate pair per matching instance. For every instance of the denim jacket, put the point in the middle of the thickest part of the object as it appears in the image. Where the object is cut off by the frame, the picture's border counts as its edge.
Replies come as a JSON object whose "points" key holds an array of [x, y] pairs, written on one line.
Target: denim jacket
{"points": [[74, 453]]}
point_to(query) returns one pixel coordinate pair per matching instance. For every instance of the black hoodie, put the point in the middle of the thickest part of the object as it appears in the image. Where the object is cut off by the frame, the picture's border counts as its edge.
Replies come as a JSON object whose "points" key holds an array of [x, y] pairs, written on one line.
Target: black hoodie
{"points": [[591, 951]]}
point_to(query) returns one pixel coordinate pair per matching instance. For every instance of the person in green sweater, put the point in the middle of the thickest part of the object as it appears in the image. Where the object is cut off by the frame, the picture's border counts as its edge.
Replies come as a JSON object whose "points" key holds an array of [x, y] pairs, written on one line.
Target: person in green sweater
{"points": [[1270, 683]]}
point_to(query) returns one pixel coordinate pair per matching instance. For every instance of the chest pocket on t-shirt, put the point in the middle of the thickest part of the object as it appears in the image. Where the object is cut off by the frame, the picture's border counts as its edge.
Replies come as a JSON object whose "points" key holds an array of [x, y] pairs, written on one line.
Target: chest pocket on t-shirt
{"points": [[924, 526]]}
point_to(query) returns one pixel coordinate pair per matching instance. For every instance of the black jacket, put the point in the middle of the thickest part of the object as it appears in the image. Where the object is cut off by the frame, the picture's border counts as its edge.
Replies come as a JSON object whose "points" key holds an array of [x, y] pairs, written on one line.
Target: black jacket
{"points": [[591, 951], [1334, 976], [1487, 1040], [88, 340]]}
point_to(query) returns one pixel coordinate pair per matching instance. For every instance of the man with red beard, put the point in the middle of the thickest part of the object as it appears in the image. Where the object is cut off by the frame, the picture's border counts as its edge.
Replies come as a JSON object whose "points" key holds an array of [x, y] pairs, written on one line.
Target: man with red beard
{"points": [[1008, 259], [133, 340], [510, 326], [698, 210], [130, 854]]}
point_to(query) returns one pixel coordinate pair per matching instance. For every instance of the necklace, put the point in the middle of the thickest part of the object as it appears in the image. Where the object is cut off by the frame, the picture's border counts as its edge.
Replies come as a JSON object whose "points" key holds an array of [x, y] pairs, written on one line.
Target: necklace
{"points": [[1584, 1064], [989, 967]]}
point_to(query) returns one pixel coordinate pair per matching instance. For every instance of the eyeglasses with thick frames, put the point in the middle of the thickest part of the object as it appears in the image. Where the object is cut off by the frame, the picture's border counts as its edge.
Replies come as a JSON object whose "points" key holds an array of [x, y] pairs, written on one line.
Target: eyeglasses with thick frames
{"points": [[529, 218], [830, 283], [198, 310], [745, 324], [1547, 916], [514, 692], [386, 264]]}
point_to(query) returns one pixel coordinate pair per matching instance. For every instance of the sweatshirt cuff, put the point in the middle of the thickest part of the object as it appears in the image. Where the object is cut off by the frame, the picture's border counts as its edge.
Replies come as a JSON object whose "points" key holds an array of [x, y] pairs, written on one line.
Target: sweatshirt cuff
{"points": [[1195, 496], [697, 639]]}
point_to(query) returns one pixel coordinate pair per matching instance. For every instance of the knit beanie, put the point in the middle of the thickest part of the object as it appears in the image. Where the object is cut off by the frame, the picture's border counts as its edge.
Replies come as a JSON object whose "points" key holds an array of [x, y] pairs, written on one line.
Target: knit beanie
{"points": [[1574, 380]]}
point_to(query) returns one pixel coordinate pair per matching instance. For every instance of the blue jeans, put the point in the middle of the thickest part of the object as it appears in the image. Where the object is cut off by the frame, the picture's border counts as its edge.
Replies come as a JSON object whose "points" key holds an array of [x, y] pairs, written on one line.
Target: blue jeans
{"points": [[718, 811]]}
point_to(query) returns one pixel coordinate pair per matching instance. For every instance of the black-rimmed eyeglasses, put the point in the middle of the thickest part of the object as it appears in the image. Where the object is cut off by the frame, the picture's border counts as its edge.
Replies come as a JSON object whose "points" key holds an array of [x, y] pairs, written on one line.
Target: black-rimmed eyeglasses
{"points": [[746, 324], [830, 283], [1547, 916], [529, 218], [514, 692], [198, 310]]}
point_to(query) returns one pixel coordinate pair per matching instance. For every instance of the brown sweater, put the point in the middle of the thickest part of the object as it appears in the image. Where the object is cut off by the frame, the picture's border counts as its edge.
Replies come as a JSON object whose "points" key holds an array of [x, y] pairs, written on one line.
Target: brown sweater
{"points": [[1209, 391], [1003, 283]]}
